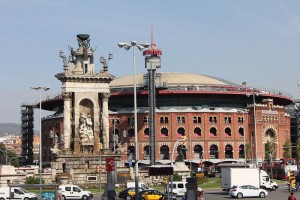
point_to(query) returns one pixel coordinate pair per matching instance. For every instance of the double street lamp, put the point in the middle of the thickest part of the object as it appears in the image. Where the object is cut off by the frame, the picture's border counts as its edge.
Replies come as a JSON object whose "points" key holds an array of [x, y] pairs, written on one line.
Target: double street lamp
{"points": [[140, 46], [40, 88]]}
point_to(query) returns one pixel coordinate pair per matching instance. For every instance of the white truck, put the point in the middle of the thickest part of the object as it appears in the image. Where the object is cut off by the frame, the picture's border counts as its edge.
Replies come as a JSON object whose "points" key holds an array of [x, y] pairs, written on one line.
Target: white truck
{"points": [[16, 193], [245, 176]]}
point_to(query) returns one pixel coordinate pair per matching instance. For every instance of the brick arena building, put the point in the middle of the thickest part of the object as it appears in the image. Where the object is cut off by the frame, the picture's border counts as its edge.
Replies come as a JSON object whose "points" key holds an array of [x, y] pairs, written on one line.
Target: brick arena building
{"points": [[215, 116]]}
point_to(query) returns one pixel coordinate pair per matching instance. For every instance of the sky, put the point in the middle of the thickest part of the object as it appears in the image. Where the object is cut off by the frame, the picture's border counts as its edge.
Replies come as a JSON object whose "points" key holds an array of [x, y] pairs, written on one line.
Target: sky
{"points": [[250, 41]]}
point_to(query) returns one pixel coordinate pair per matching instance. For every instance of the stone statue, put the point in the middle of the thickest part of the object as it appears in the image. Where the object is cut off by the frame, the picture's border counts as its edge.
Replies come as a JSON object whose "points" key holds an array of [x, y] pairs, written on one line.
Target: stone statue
{"points": [[55, 149], [62, 55], [72, 54], [85, 128], [181, 151]]}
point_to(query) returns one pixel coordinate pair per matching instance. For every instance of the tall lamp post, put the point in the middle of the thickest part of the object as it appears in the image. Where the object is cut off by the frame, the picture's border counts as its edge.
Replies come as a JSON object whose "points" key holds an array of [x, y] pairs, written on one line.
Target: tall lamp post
{"points": [[40, 88], [141, 46], [254, 118]]}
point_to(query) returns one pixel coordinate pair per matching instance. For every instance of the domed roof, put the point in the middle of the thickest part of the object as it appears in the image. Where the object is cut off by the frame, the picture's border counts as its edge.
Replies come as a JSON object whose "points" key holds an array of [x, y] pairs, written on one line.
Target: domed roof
{"points": [[173, 78]]}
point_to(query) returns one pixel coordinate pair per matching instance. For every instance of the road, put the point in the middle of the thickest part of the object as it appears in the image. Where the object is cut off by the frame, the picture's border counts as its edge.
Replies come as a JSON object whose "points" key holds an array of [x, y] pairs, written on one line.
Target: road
{"points": [[215, 194]]}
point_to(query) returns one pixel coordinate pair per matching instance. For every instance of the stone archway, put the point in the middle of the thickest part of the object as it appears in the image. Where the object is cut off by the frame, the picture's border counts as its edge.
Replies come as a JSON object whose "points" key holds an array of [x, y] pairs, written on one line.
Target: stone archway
{"points": [[269, 136]]}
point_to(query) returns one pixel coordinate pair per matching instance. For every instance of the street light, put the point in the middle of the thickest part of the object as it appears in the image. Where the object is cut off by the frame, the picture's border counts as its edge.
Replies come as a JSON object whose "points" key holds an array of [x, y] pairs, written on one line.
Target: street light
{"points": [[172, 155], [40, 88], [254, 118], [141, 46]]}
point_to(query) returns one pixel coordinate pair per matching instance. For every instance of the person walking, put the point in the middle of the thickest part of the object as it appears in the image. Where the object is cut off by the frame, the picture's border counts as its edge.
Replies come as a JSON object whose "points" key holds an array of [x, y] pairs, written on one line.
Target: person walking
{"points": [[292, 197]]}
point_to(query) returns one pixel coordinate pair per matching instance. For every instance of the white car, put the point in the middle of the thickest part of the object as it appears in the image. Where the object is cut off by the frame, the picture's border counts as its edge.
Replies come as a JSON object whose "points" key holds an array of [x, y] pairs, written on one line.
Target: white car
{"points": [[247, 191], [74, 192]]}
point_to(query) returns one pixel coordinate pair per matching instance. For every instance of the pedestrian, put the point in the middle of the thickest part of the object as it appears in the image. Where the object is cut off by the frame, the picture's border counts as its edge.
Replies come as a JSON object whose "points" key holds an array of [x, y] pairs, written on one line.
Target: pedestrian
{"points": [[292, 197]]}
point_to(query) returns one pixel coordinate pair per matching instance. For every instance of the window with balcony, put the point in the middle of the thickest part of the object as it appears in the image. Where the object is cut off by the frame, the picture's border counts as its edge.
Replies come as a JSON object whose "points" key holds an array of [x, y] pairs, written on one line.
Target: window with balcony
{"points": [[197, 120], [146, 120], [180, 120], [164, 120], [227, 120], [212, 119], [130, 120]]}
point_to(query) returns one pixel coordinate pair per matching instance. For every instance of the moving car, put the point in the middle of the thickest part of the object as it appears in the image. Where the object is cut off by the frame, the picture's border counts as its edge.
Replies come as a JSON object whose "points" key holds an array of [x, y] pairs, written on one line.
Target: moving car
{"points": [[16, 193], [151, 194], [128, 193], [247, 191]]}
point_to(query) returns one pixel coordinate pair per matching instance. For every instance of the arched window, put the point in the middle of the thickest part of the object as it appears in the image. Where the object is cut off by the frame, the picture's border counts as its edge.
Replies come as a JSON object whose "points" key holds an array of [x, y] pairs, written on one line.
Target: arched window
{"points": [[181, 131], [241, 151], [164, 132], [241, 131], [146, 152], [213, 132], [164, 152], [197, 131], [228, 151], [214, 152], [198, 152], [227, 132], [146, 132], [131, 132]]}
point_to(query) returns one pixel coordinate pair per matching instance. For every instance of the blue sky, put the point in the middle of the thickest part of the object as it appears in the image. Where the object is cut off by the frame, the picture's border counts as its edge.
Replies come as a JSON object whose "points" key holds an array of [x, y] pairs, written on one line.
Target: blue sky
{"points": [[238, 40]]}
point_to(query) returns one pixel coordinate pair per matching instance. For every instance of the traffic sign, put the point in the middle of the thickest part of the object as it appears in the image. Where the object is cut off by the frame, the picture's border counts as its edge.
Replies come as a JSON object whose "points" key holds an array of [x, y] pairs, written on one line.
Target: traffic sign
{"points": [[100, 169], [110, 164]]}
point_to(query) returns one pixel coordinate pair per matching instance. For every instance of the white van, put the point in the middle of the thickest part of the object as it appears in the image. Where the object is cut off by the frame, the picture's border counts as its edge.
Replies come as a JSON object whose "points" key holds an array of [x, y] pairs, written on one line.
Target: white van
{"points": [[16, 193], [179, 188], [74, 192], [141, 185]]}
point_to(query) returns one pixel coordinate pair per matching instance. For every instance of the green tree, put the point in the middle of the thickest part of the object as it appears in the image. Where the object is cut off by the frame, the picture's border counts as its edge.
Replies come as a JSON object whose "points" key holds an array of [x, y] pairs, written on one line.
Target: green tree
{"points": [[296, 151], [33, 180], [3, 154], [269, 150], [12, 159], [287, 149], [248, 151]]}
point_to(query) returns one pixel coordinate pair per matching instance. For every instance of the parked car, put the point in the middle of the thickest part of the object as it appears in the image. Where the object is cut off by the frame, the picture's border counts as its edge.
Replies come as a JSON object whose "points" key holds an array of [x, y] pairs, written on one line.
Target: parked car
{"points": [[74, 192], [128, 193], [247, 191], [151, 194]]}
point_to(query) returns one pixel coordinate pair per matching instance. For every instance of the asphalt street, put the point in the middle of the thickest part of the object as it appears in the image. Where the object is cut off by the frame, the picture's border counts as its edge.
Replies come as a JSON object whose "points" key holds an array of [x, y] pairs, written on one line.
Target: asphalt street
{"points": [[216, 194]]}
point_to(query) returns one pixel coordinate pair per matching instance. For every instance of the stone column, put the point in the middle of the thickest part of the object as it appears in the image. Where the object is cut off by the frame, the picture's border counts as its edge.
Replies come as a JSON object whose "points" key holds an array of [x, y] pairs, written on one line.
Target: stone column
{"points": [[96, 129], [67, 120], [105, 120]]}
